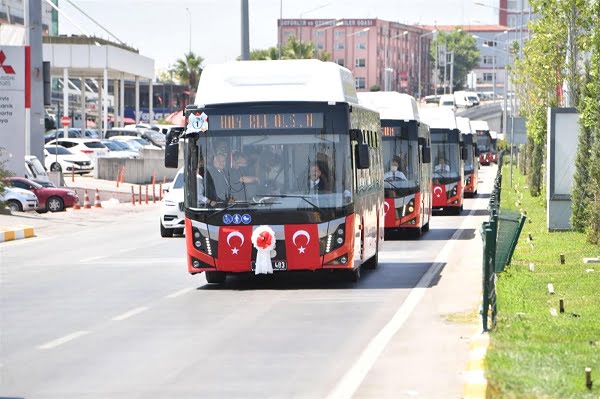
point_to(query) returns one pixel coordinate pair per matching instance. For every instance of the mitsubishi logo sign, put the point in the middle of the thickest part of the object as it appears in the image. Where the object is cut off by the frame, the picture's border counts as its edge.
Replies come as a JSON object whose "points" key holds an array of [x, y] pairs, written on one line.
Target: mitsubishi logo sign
{"points": [[9, 70]]}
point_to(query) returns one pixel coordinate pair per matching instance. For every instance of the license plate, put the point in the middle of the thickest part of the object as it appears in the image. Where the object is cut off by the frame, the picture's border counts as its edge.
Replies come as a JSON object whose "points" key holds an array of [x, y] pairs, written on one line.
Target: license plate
{"points": [[277, 265]]}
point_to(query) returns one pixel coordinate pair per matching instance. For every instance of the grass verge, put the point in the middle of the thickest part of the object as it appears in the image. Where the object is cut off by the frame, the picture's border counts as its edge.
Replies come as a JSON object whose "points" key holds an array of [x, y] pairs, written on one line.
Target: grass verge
{"points": [[532, 353]]}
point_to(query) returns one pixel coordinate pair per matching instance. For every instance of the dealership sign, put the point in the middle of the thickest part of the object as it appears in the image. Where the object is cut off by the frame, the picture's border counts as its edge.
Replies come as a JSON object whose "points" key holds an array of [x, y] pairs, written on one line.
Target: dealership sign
{"points": [[14, 98]]}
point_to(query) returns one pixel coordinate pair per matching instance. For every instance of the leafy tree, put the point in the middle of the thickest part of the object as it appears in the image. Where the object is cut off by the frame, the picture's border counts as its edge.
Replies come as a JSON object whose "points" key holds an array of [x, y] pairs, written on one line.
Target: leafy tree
{"points": [[466, 55], [582, 196], [188, 70], [375, 88], [292, 50]]}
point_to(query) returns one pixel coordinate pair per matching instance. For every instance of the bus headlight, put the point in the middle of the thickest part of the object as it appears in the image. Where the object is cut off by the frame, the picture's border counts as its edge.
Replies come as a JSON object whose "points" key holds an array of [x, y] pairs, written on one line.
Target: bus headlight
{"points": [[333, 241]]}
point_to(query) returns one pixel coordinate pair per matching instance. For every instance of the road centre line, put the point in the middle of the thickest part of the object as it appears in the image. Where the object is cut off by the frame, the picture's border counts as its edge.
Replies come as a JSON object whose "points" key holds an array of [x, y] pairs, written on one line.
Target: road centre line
{"points": [[180, 292], [129, 314], [351, 381], [65, 339]]}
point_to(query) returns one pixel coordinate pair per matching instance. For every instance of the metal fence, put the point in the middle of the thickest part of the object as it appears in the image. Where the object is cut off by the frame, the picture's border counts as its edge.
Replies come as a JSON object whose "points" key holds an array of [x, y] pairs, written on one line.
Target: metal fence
{"points": [[500, 236]]}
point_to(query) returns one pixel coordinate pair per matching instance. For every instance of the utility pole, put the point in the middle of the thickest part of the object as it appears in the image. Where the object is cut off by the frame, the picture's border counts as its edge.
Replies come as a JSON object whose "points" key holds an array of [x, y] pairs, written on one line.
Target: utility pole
{"points": [[451, 82], [246, 31], [34, 137]]}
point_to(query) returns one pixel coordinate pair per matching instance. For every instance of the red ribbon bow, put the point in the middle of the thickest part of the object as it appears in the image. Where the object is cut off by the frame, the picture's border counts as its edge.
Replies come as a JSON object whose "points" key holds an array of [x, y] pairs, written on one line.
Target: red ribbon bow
{"points": [[264, 240]]}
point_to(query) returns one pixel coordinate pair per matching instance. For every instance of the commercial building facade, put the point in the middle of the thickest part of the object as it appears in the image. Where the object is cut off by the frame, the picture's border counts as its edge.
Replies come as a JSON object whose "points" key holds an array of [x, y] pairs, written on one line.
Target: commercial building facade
{"points": [[381, 54]]}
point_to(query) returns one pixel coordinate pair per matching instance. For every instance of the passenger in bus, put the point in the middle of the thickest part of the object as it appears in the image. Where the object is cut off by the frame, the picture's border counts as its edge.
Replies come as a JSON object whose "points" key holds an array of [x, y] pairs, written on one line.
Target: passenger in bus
{"points": [[317, 183], [441, 166], [273, 178], [243, 180], [394, 173]]}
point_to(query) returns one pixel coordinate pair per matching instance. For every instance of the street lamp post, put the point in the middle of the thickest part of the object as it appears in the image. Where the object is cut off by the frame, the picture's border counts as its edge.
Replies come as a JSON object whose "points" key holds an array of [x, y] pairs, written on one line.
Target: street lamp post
{"points": [[190, 29], [386, 69], [306, 12], [420, 59]]}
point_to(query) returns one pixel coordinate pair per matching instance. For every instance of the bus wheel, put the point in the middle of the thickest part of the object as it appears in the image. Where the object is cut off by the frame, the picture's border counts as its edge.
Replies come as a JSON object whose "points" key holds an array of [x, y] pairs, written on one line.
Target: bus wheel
{"points": [[372, 262], [355, 275], [215, 277]]}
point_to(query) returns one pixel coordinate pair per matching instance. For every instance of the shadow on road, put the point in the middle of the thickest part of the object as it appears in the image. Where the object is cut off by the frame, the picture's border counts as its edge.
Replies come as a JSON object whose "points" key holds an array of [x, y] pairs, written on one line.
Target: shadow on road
{"points": [[481, 212], [390, 274]]}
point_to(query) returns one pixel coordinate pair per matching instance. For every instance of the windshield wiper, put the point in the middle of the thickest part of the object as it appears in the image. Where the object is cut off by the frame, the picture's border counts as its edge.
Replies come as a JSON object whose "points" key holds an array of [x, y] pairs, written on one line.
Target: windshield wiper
{"points": [[292, 196]]}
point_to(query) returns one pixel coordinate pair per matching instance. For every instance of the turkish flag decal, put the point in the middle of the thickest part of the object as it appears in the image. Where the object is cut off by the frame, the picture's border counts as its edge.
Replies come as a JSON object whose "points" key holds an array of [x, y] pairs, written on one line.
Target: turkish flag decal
{"points": [[302, 246], [235, 246]]}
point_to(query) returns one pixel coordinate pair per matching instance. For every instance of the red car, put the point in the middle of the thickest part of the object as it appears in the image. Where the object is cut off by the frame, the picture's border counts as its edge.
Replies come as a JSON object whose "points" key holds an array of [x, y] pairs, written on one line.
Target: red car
{"points": [[49, 198]]}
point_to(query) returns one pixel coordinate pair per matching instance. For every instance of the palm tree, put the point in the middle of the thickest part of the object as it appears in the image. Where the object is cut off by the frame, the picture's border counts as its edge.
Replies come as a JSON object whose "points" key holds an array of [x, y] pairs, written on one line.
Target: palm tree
{"points": [[188, 71], [272, 53]]}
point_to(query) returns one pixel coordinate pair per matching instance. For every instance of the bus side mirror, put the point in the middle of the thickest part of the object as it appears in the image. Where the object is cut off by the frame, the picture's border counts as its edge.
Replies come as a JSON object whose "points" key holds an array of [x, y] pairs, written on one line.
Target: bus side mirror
{"points": [[171, 151], [464, 154], [476, 151], [426, 154], [362, 156]]}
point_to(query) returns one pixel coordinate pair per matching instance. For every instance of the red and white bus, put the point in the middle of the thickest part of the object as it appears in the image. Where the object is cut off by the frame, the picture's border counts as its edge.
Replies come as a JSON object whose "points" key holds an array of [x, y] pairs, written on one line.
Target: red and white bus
{"points": [[407, 161], [447, 155], [283, 171], [471, 164], [486, 143]]}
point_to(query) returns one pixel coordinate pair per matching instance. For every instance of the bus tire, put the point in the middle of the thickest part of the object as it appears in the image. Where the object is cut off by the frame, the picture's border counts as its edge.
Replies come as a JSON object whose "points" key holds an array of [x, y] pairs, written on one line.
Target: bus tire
{"points": [[215, 277], [355, 275]]}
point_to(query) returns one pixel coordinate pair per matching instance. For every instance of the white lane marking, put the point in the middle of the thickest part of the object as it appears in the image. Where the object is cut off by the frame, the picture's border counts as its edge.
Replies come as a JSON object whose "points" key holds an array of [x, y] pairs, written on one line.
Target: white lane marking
{"points": [[354, 377], [92, 258], [60, 341], [131, 313], [180, 292]]}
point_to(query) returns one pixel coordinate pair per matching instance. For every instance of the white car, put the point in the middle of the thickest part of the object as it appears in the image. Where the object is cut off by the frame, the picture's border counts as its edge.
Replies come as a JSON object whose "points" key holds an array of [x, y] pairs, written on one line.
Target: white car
{"points": [[172, 218], [34, 169], [116, 151], [59, 159], [19, 200], [90, 147]]}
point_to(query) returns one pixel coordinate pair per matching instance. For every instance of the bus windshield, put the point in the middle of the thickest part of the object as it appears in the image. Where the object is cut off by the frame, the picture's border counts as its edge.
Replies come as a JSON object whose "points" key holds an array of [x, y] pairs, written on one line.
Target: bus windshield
{"points": [[445, 156], [484, 142], [470, 158], [280, 168], [401, 160]]}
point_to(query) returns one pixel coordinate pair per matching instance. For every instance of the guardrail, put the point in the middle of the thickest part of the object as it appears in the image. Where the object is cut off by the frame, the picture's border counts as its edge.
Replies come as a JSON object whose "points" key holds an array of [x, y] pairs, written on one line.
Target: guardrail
{"points": [[500, 236]]}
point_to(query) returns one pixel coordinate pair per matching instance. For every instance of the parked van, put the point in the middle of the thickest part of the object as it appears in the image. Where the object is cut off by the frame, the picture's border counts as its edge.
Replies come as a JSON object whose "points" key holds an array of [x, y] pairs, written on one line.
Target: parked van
{"points": [[34, 170], [473, 97], [461, 100]]}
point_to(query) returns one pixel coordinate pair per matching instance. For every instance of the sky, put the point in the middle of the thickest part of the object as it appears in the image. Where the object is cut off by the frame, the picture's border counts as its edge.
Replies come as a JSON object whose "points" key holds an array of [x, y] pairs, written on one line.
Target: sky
{"points": [[161, 29]]}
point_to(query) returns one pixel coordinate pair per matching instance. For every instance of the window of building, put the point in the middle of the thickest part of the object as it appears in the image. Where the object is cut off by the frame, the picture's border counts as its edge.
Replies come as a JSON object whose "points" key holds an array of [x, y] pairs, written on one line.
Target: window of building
{"points": [[340, 61], [360, 63], [512, 20], [489, 59], [339, 33], [339, 46], [319, 33], [513, 5], [361, 34], [361, 46], [288, 34], [490, 43], [488, 77], [360, 83], [320, 46]]}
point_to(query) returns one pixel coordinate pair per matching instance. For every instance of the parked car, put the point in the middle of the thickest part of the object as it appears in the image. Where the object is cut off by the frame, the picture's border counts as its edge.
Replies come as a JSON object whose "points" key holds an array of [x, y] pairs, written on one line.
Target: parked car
{"points": [[89, 133], [172, 218], [473, 97], [49, 199], [60, 159], [19, 200], [44, 183], [447, 100], [121, 132], [34, 169], [156, 138], [116, 151], [135, 141], [52, 134], [90, 147]]}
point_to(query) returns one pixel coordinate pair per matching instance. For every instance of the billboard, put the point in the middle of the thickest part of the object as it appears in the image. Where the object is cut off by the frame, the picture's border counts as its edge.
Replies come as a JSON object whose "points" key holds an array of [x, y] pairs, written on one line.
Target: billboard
{"points": [[14, 84]]}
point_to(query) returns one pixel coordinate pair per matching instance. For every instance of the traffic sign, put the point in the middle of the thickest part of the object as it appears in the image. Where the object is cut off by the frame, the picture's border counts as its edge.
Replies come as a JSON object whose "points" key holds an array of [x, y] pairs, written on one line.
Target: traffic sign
{"points": [[65, 121]]}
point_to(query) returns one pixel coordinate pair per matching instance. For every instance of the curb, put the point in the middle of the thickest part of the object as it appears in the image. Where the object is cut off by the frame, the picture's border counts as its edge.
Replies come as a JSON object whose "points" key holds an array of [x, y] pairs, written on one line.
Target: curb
{"points": [[16, 233], [475, 381]]}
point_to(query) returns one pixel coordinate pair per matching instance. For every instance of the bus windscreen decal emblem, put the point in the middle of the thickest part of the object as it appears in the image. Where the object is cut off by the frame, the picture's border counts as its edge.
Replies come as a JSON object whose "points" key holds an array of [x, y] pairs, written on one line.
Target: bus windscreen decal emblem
{"points": [[235, 250], [304, 233]]}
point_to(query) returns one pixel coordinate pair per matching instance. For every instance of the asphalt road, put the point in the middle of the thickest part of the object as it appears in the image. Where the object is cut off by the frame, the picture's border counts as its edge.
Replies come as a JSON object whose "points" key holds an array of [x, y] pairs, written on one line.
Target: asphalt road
{"points": [[103, 307]]}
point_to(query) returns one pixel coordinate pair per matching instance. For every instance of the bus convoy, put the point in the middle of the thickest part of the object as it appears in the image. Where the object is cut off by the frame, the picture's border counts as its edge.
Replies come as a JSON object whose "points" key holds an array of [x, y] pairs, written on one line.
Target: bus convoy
{"points": [[486, 142], [469, 141], [286, 167], [407, 158]]}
